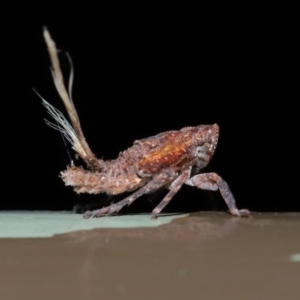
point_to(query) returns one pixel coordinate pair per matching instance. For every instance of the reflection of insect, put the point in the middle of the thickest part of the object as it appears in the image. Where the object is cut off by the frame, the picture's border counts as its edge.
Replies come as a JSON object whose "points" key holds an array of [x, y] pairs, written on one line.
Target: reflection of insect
{"points": [[164, 160]]}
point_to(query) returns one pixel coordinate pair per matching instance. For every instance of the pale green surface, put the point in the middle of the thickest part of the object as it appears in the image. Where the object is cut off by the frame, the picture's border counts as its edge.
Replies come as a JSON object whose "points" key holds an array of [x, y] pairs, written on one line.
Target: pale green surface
{"points": [[34, 224], [295, 257]]}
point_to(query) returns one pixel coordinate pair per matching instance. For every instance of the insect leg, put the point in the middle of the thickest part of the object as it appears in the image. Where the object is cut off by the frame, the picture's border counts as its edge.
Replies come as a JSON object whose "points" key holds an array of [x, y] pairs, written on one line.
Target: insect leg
{"points": [[212, 181], [174, 188], [158, 181]]}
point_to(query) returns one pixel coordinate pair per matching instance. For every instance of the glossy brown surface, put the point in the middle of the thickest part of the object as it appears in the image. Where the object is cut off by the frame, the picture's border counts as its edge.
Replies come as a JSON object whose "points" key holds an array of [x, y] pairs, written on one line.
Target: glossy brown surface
{"points": [[202, 256]]}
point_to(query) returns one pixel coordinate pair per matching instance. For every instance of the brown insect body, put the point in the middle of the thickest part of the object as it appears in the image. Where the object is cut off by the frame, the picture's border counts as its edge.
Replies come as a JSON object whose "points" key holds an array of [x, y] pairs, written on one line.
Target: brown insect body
{"points": [[163, 160], [178, 150]]}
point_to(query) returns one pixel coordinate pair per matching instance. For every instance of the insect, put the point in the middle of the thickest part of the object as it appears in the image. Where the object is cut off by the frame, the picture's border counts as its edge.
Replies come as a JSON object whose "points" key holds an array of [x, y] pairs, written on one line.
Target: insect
{"points": [[167, 159]]}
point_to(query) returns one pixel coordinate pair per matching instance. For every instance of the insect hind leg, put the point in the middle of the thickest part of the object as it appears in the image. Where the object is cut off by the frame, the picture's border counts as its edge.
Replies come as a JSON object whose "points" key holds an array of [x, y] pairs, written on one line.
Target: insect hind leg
{"points": [[158, 181]]}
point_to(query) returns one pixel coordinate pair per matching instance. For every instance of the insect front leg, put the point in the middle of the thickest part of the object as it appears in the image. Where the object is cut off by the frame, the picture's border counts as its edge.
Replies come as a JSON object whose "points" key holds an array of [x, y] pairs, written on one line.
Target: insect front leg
{"points": [[212, 181], [174, 188], [157, 182]]}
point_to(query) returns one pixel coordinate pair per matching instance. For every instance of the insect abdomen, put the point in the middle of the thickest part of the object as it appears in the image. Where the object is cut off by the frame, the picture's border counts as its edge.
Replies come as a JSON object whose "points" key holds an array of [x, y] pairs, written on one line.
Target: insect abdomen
{"points": [[118, 177]]}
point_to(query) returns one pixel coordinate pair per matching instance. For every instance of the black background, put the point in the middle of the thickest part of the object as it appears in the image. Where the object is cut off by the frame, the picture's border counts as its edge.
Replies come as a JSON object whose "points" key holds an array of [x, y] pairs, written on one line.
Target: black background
{"points": [[137, 74]]}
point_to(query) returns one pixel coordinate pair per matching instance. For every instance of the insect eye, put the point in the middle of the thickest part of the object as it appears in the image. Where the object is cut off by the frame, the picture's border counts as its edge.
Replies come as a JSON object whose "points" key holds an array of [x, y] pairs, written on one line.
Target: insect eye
{"points": [[199, 151]]}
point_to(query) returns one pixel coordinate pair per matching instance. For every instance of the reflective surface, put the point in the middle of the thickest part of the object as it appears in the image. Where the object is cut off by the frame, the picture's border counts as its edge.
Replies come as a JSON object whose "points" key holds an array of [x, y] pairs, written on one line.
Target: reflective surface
{"points": [[201, 256]]}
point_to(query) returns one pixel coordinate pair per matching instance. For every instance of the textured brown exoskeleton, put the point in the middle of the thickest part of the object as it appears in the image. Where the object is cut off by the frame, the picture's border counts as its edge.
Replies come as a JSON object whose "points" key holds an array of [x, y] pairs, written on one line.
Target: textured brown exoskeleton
{"points": [[164, 160]]}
